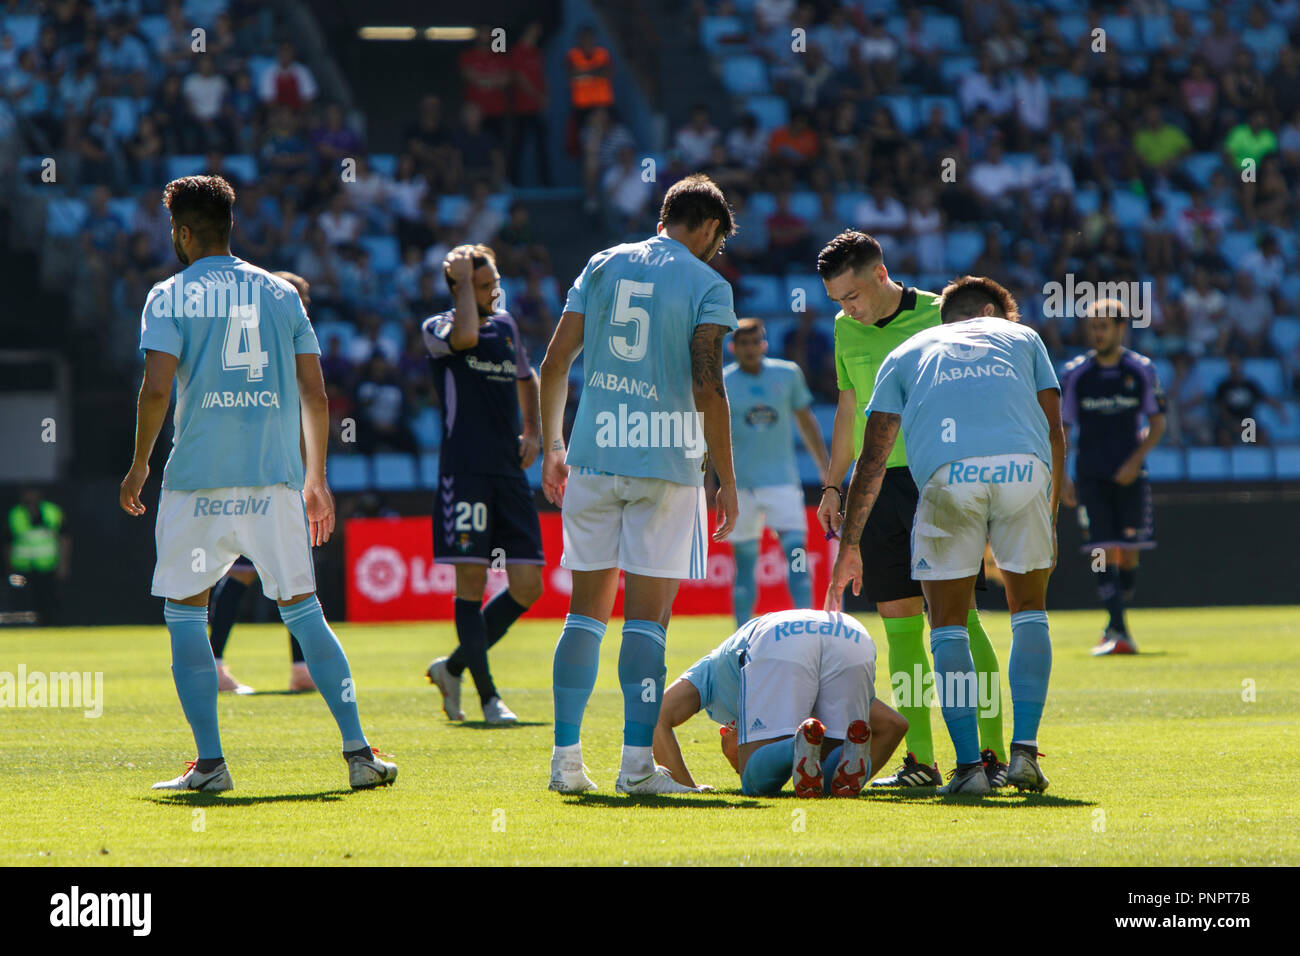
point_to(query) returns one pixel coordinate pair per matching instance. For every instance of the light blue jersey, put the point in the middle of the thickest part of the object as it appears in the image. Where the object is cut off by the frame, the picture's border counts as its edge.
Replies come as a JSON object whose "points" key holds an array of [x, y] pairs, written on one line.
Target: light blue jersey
{"points": [[967, 389], [716, 675], [762, 421], [641, 302], [235, 329]]}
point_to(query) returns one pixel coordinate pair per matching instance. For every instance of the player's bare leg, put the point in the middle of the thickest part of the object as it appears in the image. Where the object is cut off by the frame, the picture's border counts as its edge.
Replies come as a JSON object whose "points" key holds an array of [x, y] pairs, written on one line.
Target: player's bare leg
{"points": [[1029, 670]]}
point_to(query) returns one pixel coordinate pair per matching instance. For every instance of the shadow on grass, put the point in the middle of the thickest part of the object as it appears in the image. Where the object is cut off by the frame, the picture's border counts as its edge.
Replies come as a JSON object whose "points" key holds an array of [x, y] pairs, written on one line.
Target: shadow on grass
{"points": [[1011, 799], [201, 799], [280, 693], [713, 799], [484, 725]]}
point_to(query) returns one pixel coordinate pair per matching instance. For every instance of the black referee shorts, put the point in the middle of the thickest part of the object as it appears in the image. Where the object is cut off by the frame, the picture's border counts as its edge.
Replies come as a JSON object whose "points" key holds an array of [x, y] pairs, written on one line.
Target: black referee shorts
{"points": [[886, 543]]}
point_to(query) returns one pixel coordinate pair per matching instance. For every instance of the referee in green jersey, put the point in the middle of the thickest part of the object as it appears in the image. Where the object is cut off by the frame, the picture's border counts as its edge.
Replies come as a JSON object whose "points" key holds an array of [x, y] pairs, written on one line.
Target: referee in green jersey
{"points": [[876, 315]]}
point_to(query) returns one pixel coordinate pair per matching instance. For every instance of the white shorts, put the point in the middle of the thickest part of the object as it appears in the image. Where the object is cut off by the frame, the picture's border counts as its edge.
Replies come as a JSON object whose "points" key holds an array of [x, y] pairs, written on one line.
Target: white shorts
{"points": [[779, 507], [999, 499], [790, 674], [199, 535], [642, 525]]}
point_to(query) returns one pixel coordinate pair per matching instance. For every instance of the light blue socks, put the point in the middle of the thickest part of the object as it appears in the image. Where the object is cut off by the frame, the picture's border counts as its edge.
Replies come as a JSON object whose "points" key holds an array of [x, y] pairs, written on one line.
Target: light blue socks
{"points": [[195, 672], [744, 589], [958, 688], [1028, 670], [794, 545], [328, 666], [641, 673], [573, 674]]}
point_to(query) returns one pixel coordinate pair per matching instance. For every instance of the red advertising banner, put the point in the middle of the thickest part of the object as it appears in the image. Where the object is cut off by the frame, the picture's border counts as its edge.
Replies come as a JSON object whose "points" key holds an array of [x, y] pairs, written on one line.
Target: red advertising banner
{"points": [[391, 575]]}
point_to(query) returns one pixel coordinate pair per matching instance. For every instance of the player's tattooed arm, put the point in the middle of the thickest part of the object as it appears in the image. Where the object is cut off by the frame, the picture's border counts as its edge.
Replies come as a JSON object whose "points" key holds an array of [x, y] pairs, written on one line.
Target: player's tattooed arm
{"points": [[706, 359], [877, 443], [711, 403]]}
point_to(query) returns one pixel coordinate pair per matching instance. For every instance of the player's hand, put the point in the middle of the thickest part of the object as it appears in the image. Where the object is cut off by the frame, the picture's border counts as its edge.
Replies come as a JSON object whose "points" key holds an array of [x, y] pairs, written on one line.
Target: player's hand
{"points": [[320, 511], [555, 476], [529, 447], [129, 496], [1068, 497], [727, 506], [1128, 472], [848, 568], [828, 512], [461, 266]]}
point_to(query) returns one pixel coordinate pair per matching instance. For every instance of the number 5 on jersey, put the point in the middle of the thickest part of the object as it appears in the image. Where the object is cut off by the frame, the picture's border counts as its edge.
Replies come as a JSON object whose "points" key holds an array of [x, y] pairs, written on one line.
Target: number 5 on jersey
{"points": [[244, 343], [631, 345]]}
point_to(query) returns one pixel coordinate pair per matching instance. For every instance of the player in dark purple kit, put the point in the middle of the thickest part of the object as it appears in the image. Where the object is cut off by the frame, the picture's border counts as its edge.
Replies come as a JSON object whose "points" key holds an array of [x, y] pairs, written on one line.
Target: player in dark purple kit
{"points": [[1106, 393], [483, 511]]}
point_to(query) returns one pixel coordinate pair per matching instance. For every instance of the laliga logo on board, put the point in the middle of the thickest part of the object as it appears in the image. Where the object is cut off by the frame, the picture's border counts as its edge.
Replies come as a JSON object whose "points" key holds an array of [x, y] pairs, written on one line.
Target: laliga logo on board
{"points": [[381, 573]]}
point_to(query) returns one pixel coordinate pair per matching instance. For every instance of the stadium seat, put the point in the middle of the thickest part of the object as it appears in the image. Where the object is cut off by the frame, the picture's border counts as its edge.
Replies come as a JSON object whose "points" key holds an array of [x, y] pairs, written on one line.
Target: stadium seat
{"points": [[1208, 464], [242, 167], [744, 74], [124, 113], [770, 111], [451, 208], [384, 164], [1268, 372], [534, 473], [1210, 371], [1285, 335], [1200, 166], [1291, 287], [64, 216], [715, 30], [328, 331], [1087, 199], [824, 412], [1121, 34], [1175, 202], [1074, 27], [944, 30], [1286, 462], [385, 253], [154, 29], [781, 324], [846, 205], [760, 294], [349, 472], [394, 471], [814, 292], [257, 65], [1194, 6], [178, 166], [1165, 464], [1131, 210], [1251, 463], [1068, 86], [429, 470], [1281, 427], [903, 108], [24, 28], [964, 247], [1155, 31], [953, 68], [763, 204], [808, 472], [951, 110], [427, 425], [805, 204]]}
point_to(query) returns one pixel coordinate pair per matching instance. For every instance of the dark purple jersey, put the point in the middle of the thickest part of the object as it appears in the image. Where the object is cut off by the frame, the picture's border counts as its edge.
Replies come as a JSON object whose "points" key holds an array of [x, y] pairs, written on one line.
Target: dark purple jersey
{"points": [[1108, 403], [480, 399]]}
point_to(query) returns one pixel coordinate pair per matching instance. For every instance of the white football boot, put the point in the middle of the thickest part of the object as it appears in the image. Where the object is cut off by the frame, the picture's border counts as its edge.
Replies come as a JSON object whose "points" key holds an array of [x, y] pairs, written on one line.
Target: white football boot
{"points": [[213, 781], [569, 774], [970, 782], [855, 761], [496, 712], [806, 767], [365, 772], [1025, 774], [658, 780], [449, 686]]}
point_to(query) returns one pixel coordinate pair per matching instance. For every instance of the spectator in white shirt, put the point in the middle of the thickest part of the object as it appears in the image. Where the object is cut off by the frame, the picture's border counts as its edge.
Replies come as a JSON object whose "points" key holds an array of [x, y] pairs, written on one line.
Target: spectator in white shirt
{"points": [[1033, 103], [984, 87], [1047, 175], [995, 180], [1204, 306], [694, 141], [626, 191], [340, 224], [1265, 264], [205, 91], [1251, 313], [747, 143], [880, 213]]}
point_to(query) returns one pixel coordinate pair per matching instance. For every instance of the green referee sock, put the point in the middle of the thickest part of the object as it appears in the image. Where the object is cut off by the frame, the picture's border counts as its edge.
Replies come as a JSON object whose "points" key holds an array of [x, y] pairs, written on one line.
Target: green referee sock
{"points": [[907, 656], [986, 667]]}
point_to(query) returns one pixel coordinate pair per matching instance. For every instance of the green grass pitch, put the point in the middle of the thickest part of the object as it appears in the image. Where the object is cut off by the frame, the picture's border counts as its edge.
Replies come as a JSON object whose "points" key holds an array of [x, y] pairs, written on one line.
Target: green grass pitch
{"points": [[1181, 756]]}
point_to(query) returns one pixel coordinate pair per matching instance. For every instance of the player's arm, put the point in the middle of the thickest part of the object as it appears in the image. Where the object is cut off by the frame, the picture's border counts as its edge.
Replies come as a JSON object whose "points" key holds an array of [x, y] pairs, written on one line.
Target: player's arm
{"points": [[832, 506], [877, 443], [1049, 399], [681, 702], [151, 410], [565, 345], [811, 434], [1132, 467], [711, 402], [529, 390], [465, 319], [315, 436]]}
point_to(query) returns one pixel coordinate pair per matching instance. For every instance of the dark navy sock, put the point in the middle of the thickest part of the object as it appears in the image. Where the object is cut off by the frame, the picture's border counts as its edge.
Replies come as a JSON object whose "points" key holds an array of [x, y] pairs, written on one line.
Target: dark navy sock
{"points": [[225, 607], [502, 611], [1128, 583], [472, 632], [1108, 590]]}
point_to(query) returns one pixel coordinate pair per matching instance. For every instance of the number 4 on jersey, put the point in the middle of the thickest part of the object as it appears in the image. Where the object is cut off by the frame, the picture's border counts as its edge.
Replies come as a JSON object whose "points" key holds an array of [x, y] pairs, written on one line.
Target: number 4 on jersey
{"points": [[244, 343]]}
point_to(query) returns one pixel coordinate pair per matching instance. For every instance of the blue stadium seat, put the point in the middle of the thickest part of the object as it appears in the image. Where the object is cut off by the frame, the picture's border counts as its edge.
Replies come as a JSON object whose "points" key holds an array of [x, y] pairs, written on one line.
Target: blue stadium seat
{"points": [[124, 210], [1164, 370], [429, 470], [744, 74], [349, 472], [1074, 27], [1165, 464], [1121, 34], [714, 29], [1175, 202], [903, 108], [1087, 199], [534, 473], [384, 164], [846, 206], [64, 216], [1068, 86], [1236, 245], [1285, 335], [805, 204], [327, 331], [124, 114], [154, 29], [257, 65], [394, 471], [814, 292], [1200, 166], [944, 30], [242, 167], [953, 68], [450, 208], [808, 473], [964, 247], [177, 167], [778, 326], [1283, 428], [1268, 372], [1286, 462], [1195, 6], [427, 425], [1251, 463], [1210, 371], [1208, 464], [824, 412], [385, 253], [24, 28], [1131, 210], [951, 110], [1155, 31], [761, 295], [770, 111], [763, 204], [1291, 287]]}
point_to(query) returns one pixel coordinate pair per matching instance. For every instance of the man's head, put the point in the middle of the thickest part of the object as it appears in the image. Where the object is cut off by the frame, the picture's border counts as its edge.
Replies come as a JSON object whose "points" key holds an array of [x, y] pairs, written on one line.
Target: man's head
{"points": [[1107, 319], [852, 267], [300, 284], [485, 278], [749, 344], [972, 296], [696, 214], [202, 213]]}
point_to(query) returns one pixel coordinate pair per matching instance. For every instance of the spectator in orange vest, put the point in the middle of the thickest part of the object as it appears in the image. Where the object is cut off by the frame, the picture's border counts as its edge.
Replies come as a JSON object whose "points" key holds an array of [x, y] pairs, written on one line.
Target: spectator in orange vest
{"points": [[591, 84]]}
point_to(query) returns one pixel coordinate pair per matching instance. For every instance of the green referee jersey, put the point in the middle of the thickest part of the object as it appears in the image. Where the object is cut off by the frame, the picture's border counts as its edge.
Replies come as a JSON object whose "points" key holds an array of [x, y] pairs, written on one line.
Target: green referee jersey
{"points": [[860, 349]]}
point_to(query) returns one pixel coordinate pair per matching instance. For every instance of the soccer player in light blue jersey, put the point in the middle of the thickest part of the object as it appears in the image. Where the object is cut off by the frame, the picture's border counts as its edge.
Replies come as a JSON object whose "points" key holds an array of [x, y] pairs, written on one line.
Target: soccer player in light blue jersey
{"points": [[794, 692], [237, 341], [649, 318], [769, 397], [980, 404]]}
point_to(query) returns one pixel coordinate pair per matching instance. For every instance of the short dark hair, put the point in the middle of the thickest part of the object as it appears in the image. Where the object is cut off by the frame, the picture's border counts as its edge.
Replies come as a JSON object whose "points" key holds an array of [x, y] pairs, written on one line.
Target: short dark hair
{"points": [[745, 326], [203, 203], [851, 249], [481, 254], [301, 285], [1111, 308], [965, 297], [695, 200]]}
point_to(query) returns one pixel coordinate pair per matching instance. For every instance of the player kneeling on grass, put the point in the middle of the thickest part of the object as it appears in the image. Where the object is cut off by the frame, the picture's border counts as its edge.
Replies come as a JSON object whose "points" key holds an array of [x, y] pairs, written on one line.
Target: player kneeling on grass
{"points": [[798, 687]]}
